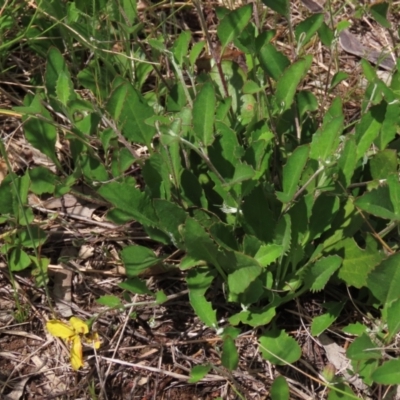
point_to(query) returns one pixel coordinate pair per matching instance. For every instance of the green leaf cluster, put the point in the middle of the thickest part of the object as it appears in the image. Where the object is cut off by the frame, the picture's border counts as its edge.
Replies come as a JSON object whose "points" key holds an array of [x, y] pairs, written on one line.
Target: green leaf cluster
{"points": [[267, 197]]}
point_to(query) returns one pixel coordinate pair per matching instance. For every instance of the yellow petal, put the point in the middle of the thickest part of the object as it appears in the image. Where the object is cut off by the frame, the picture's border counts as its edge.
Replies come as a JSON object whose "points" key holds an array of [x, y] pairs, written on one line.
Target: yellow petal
{"points": [[76, 353], [79, 325], [59, 329], [93, 339]]}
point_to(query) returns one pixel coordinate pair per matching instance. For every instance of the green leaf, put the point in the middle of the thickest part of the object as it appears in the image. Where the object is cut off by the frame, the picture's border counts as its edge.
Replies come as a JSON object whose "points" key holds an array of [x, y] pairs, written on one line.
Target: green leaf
{"points": [[280, 389], [251, 87], [157, 44], [63, 88], [203, 114], [224, 235], [394, 192], [109, 301], [393, 320], [198, 242], [170, 217], [272, 61], [323, 322], [129, 8], [395, 84], [279, 348], [379, 11], [356, 329], [156, 177], [21, 186], [317, 276], [199, 281], [341, 392], [132, 202], [39, 270], [383, 163], [40, 134], [243, 172], [384, 280], [223, 151], [230, 356], [6, 196], [181, 46], [326, 140], [161, 297], [18, 260], [257, 215], [307, 28], [292, 172], [176, 99], [268, 253], [368, 128], [92, 167], [58, 79], [233, 24], [365, 368], [347, 162], [221, 113], [135, 285], [234, 78], [192, 191], [377, 202], [363, 348], [199, 372], [42, 180], [326, 35], [370, 73], [337, 78], [197, 48], [137, 259], [240, 280], [306, 101], [283, 233], [130, 111], [322, 214], [287, 85], [357, 263], [122, 160], [188, 262], [389, 126], [257, 316], [388, 373], [32, 238], [280, 6]]}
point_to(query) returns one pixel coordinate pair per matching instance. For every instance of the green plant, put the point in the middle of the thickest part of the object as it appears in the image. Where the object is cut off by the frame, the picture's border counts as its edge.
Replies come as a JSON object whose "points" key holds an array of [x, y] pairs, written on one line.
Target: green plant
{"points": [[267, 197]]}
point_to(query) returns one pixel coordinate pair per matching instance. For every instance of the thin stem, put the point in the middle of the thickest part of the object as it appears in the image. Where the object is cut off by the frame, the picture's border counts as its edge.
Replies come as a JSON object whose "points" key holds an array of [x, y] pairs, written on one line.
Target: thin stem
{"points": [[303, 188], [205, 158]]}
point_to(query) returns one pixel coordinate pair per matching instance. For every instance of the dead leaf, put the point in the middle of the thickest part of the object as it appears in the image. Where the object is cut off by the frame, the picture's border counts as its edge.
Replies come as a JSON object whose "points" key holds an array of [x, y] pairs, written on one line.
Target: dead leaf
{"points": [[18, 391], [337, 357]]}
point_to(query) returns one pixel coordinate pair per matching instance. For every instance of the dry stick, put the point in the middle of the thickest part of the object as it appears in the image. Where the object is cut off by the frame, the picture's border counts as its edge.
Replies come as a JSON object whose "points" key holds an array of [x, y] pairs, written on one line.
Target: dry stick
{"points": [[209, 377], [121, 138], [202, 154], [78, 217], [117, 347], [157, 71], [319, 381], [303, 188], [216, 58], [333, 50], [374, 234], [92, 40]]}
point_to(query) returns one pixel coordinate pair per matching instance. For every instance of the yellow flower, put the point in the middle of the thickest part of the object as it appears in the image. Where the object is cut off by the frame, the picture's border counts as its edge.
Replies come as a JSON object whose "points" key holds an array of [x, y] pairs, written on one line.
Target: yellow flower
{"points": [[74, 332]]}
